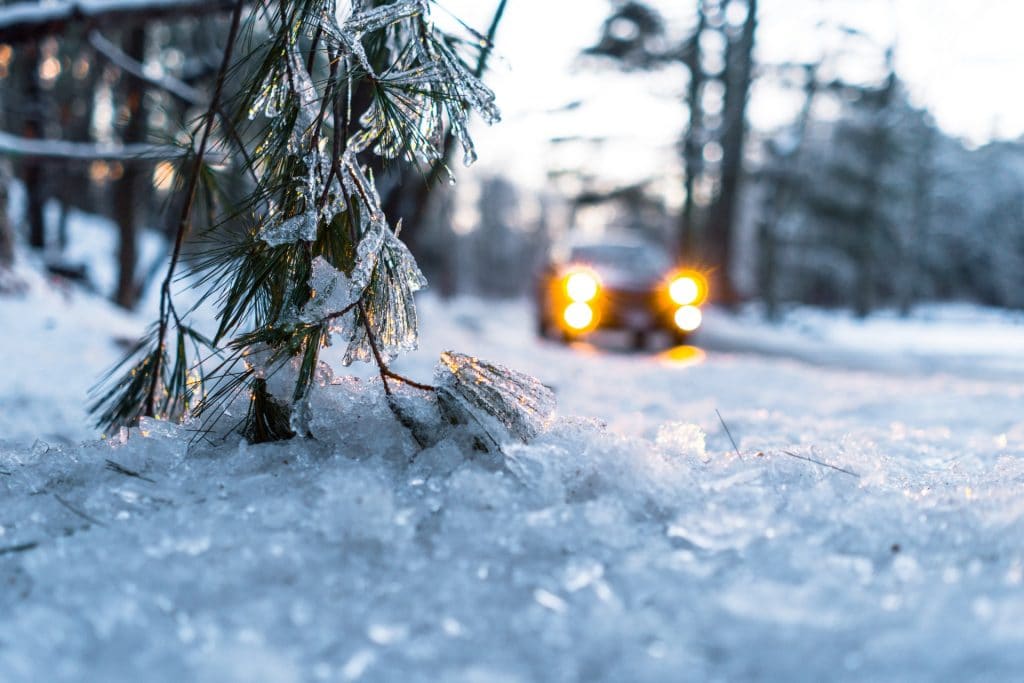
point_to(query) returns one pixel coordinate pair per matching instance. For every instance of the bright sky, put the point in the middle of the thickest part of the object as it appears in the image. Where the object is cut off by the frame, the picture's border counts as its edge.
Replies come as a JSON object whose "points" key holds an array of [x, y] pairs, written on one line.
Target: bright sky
{"points": [[963, 60]]}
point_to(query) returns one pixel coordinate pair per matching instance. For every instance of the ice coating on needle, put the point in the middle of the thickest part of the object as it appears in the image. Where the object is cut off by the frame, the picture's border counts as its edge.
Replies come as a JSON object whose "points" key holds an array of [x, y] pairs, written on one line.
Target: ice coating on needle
{"points": [[390, 309], [331, 292], [520, 402], [299, 227]]}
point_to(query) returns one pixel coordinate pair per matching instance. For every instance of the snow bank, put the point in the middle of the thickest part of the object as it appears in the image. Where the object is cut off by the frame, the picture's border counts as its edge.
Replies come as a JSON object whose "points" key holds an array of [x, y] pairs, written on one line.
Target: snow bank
{"points": [[586, 555], [633, 544], [55, 340]]}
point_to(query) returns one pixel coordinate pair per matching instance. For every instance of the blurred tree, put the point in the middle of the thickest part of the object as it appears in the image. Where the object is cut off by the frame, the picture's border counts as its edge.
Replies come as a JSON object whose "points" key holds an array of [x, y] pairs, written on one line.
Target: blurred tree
{"points": [[410, 190], [6, 231], [780, 177], [81, 127], [133, 189], [732, 135], [635, 36], [846, 204]]}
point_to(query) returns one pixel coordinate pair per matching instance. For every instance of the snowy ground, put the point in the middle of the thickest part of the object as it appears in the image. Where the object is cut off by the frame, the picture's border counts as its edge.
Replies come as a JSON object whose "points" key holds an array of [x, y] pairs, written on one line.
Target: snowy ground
{"points": [[628, 543]]}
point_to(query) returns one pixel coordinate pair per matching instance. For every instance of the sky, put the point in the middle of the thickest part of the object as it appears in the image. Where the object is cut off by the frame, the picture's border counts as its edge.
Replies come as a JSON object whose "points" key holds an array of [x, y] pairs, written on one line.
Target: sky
{"points": [[962, 60]]}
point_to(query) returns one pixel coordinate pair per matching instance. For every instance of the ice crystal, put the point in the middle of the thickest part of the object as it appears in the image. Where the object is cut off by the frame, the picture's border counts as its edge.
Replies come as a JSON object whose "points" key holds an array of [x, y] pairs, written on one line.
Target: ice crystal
{"points": [[273, 94], [518, 401], [331, 292], [310, 190], [302, 226], [345, 29]]}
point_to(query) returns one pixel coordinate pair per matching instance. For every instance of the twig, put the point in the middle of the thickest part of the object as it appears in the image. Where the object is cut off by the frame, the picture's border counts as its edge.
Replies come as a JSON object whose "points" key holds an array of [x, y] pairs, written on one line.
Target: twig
{"points": [[728, 433], [20, 548], [193, 181], [121, 469], [62, 150], [5, 473], [823, 464], [87, 517], [382, 366], [405, 380]]}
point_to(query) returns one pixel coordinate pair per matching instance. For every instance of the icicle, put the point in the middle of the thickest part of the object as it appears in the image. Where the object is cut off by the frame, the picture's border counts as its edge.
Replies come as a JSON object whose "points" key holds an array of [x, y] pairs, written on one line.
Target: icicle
{"points": [[518, 401], [308, 98], [270, 99]]}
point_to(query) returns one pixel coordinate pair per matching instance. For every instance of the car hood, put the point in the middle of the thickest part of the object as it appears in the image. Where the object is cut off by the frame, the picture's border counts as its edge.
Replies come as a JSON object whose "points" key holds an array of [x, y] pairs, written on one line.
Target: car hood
{"points": [[617, 278]]}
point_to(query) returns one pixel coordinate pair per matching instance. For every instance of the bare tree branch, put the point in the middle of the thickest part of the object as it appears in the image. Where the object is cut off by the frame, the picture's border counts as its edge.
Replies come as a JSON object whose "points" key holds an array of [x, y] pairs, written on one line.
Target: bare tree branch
{"points": [[61, 150], [183, 91]]}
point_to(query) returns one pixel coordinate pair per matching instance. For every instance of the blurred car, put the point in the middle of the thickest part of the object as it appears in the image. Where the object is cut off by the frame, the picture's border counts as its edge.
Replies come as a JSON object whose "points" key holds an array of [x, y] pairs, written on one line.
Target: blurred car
{"points": [[631, 286]]}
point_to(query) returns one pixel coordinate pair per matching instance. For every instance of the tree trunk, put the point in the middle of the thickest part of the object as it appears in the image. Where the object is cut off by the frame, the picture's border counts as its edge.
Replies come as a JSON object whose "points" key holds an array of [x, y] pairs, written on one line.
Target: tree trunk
{"points": [[412, 196], [785, 184], [6, 233], [739, 71], [692, 148], [921, 203], [872, 225], [130, 190], [32, 174]]}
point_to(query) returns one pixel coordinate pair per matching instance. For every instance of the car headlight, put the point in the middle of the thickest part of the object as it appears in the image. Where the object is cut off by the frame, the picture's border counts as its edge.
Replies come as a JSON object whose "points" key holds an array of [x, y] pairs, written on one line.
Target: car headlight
{"points": [[688, 318], [578, 316], [582, 286], [684, 290]]}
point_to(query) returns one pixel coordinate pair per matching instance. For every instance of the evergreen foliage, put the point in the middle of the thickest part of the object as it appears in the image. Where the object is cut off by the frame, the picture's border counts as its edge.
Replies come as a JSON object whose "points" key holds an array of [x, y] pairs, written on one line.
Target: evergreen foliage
{"points": [[329, 91]]}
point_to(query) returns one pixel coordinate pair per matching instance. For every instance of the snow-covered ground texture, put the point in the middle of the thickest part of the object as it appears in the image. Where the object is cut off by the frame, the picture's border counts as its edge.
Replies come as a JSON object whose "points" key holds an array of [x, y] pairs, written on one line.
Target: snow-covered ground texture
{"points": [[628, 542]]}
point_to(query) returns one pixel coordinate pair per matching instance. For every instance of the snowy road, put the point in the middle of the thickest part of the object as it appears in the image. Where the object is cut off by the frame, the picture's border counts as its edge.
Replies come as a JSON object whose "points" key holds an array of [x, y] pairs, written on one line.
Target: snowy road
{"points": [[628, 543]]}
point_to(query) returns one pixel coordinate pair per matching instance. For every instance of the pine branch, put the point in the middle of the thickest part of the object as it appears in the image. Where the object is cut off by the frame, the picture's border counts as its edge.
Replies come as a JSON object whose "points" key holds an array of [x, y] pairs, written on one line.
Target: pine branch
{"points": [[166, 304]]}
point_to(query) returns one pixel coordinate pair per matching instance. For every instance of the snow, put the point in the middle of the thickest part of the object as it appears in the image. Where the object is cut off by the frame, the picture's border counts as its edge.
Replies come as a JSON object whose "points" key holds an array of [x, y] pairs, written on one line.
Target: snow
{"points": [[628, 541]]}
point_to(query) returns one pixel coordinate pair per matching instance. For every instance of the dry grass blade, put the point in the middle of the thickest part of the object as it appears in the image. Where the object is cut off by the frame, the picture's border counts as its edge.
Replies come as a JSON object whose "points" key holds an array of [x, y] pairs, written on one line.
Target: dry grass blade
{"points": [[823, 464], [84, 515], [19, 548], [728, 433], [121, 469]]}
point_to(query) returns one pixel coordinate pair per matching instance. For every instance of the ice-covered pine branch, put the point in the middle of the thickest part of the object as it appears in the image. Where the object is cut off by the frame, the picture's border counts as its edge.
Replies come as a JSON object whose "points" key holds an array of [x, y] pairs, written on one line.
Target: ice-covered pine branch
{"points": [[335, 90]]}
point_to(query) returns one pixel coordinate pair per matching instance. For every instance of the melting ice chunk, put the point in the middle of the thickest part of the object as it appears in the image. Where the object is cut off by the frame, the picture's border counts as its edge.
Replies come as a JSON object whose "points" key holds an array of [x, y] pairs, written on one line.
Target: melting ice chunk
{"points": [[517, 400]]}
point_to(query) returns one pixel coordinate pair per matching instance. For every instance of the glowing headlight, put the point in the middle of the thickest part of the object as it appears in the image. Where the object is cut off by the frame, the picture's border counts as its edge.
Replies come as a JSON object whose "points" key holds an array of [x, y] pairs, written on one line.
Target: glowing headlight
{"points": [[581, 286], [688, 318], [578, 315], [684, 290]]}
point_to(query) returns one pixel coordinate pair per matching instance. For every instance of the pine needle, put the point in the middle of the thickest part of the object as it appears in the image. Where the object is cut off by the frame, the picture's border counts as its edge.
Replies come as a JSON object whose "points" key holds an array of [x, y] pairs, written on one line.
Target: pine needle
{"points": [[19, 548], [823, 464], [728, 433], [121, 469], [87, 517]]}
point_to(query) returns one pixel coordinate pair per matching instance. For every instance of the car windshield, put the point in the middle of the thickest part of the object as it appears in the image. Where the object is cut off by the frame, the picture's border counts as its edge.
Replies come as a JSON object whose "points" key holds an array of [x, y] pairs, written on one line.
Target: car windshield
{"points": [[631, 258]]}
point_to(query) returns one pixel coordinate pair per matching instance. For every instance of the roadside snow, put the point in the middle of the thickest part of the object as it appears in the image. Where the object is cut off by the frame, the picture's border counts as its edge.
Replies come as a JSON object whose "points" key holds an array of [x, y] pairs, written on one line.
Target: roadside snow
{"points": [[632, 543]]}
